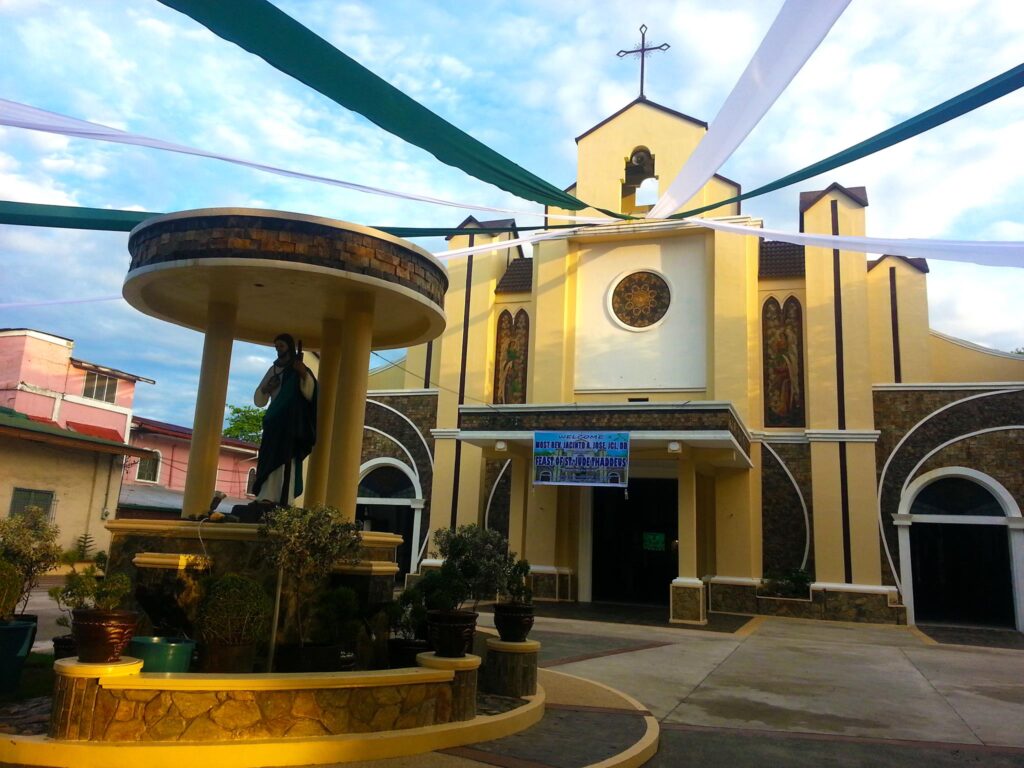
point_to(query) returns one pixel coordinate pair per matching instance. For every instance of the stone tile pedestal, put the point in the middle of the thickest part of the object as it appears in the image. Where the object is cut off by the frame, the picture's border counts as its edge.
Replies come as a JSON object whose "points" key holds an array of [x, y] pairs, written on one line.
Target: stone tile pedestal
{"points": [[687, 604], [75, 690], [464, 684], [511, 668]]}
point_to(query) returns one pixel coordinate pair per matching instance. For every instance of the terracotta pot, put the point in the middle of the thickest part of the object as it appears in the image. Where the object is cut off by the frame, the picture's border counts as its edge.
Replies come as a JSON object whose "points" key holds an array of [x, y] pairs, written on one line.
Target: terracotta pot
{"points": [[231, 659], [102, 635], [513, 621], [451, 632]]}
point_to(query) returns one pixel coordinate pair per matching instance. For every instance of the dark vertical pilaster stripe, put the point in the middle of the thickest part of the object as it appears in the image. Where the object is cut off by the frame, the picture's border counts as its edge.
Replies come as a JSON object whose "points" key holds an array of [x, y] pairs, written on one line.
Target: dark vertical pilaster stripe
{"points": [[457, 469], [894, 313], [844, 494], [426, 368]]}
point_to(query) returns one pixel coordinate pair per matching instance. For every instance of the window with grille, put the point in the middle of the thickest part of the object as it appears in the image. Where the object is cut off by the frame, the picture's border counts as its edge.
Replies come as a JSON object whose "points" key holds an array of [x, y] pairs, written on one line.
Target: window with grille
{"points": [[100, 387], [24, 498], [148, 470]]}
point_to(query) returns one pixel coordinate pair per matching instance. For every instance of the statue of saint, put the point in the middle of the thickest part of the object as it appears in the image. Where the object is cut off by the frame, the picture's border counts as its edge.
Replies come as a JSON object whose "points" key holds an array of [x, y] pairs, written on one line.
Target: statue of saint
{"points": [[289, 425]]}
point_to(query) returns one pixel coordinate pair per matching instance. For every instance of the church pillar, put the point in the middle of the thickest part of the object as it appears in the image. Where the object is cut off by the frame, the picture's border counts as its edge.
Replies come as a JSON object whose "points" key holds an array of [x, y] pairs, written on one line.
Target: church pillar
{"points": [[201, 479], [350, 407], [518, 494], [687, 604], [327, 393]]}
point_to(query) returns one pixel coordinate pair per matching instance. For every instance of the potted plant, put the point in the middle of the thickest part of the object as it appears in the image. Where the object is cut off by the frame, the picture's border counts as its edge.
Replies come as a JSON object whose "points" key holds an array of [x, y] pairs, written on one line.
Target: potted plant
{"points": [[513, 613], [305, 545], [15, 636], [407, 617], [791, 583], [101, 630], [233, 617], [472, 570], [333, 633], [28, 541]]}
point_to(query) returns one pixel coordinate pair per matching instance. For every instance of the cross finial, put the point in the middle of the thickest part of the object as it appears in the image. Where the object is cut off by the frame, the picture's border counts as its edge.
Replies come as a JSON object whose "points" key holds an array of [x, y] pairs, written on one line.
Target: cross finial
{"points": [[643, 51]]}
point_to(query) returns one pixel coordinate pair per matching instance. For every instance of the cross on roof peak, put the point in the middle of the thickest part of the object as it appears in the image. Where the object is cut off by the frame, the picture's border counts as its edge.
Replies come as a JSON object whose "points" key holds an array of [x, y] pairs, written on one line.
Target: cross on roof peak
{"points": [[643, 52]]}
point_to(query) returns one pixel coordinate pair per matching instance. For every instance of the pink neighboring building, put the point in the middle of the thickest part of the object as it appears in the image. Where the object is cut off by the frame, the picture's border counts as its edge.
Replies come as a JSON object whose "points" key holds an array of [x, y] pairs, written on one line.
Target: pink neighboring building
{"points": [[40, 378], [154, 487], [63, 429]]}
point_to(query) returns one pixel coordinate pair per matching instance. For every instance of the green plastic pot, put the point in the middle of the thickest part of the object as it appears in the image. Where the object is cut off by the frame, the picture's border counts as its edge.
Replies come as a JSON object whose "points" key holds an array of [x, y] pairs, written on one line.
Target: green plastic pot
{"points": [[162, 654], [15, 643]]}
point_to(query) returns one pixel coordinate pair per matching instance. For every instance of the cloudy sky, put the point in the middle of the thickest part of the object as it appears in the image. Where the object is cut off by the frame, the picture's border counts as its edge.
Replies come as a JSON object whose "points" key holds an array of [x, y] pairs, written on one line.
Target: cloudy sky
{"points": [[525, 78]]}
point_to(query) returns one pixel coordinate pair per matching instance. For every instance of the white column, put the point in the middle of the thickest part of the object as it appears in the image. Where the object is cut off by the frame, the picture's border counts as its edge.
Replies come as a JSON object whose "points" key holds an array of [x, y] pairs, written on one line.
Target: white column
{"points": [[902, 523]]}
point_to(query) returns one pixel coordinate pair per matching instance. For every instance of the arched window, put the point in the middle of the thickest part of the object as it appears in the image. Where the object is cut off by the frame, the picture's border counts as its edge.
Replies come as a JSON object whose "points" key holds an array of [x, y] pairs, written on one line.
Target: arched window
{"points": [[250, 482], [510, 360], [386, 482], [782, 346], [639, 169]]}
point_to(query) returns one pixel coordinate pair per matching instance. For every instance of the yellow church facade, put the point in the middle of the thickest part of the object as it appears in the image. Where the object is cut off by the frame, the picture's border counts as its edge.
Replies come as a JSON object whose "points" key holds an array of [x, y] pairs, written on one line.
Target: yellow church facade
{"points": [[791, 416]]}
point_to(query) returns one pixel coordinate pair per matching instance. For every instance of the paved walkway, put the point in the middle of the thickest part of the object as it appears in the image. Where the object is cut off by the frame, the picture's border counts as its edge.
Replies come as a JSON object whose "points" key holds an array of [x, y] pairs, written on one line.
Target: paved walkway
{"points": [[780, 692]]}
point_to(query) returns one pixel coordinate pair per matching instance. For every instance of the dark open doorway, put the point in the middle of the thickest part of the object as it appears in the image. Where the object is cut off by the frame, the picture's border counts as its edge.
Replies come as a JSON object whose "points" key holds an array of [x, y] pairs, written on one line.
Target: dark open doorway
{"points": [[635, 548], [391, 514], [962, 574]]}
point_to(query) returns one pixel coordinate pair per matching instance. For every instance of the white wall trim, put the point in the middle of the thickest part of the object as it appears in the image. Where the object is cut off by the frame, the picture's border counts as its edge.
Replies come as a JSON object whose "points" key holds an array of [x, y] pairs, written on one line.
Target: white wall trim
{"points": [[892, 455], [396, 441], [974, 347], [39, 336], [871, 589], [490, 496], [803, 503], [843, 435], [982, 479], [736, 581], [444, 434], [430, 455], [101, 404], [388, 461], [764, 436], [949, 386], [687, 581], [636, 390]]}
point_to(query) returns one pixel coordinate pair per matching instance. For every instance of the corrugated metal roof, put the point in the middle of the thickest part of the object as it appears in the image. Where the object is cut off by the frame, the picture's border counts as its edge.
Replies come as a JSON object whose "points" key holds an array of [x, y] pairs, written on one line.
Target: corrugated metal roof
{"points": [[158, 497]]}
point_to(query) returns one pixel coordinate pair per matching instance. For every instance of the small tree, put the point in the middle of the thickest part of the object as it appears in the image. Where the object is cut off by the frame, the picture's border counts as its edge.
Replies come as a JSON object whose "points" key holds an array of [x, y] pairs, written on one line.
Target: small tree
{"points": [[305, 544], [244, 422], [29, 542], [474, 563]]}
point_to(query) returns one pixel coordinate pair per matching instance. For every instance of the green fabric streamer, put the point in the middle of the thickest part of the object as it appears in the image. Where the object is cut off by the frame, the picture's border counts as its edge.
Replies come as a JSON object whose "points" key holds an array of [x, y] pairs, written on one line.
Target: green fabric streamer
{"points": [[260, 28], [966, 102], [105, 219]]}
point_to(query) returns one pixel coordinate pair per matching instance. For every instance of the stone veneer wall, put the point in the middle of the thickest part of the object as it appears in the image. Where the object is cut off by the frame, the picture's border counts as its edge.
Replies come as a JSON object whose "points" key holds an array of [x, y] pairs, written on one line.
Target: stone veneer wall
{"points": [[421, 410], [898, 411], [785, 530], [822, 604], [85, 711], [249, 235]]}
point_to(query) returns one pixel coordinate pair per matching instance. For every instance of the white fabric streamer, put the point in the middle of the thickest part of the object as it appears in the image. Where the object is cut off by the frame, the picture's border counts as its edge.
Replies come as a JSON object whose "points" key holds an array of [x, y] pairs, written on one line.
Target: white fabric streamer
{"points": [[54, 302], [990, 253], [31, 118], [503, 244], [794, 35]]}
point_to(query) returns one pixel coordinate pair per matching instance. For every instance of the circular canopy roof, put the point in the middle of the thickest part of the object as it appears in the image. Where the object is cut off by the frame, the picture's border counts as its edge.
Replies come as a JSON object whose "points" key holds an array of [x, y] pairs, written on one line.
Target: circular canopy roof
{"points": [[286, 272]]}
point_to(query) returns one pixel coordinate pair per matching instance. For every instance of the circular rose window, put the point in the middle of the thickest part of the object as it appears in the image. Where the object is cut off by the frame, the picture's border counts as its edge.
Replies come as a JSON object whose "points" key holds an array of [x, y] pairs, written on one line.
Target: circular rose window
{"points": [[641, 299]]}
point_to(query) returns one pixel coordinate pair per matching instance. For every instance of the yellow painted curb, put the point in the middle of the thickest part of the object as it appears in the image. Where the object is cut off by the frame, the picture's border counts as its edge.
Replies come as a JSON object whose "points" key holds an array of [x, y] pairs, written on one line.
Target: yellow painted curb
{"points": [[276, 681], [43, 751], [433, 661], [750, 627], [527, 646], [644, 749], [72, 667]]}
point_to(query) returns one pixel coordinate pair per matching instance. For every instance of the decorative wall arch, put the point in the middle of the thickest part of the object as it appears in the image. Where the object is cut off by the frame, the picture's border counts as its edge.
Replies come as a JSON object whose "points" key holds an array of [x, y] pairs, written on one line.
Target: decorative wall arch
{"points": [[1012, 519], [387, 461]]}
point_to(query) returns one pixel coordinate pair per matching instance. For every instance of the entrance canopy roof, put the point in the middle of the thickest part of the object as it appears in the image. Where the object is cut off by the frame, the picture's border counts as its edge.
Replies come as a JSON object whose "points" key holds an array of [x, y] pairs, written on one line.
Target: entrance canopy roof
{"points": [[669, 427]]}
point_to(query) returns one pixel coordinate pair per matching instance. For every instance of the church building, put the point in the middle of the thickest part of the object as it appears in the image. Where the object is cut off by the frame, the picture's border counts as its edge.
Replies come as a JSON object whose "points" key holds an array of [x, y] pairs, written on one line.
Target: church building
{"points": [[791, 416]]}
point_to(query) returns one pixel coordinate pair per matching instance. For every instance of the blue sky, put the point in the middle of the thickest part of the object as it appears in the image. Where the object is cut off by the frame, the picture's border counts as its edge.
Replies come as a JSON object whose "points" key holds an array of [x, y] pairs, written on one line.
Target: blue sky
{"points": [[525, 78]]}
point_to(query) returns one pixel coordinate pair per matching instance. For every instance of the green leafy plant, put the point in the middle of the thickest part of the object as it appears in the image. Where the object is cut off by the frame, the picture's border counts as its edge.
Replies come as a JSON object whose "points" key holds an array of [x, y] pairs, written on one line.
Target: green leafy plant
{"points": [[794, 582], [84, 545], [515, 579], [245, 422], [336, 617], [88, 589], [408, 614], [234, 611], [10, 589], [475, 561], [29, 542], [305, 544]]}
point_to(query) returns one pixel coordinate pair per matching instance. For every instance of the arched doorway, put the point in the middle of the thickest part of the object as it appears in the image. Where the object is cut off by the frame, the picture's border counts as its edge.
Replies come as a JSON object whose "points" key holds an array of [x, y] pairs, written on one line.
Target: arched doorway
{"points": [[961, 550], [390, 500]]}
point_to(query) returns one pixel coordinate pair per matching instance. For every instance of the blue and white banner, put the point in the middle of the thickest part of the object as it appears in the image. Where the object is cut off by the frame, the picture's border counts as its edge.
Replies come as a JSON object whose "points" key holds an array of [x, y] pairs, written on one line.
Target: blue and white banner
{"points": [[581, 458]]}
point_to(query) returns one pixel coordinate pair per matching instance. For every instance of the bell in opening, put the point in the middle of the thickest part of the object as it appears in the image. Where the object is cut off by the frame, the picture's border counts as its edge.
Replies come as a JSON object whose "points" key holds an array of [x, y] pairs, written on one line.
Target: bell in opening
{"points": [[638, 180]]}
